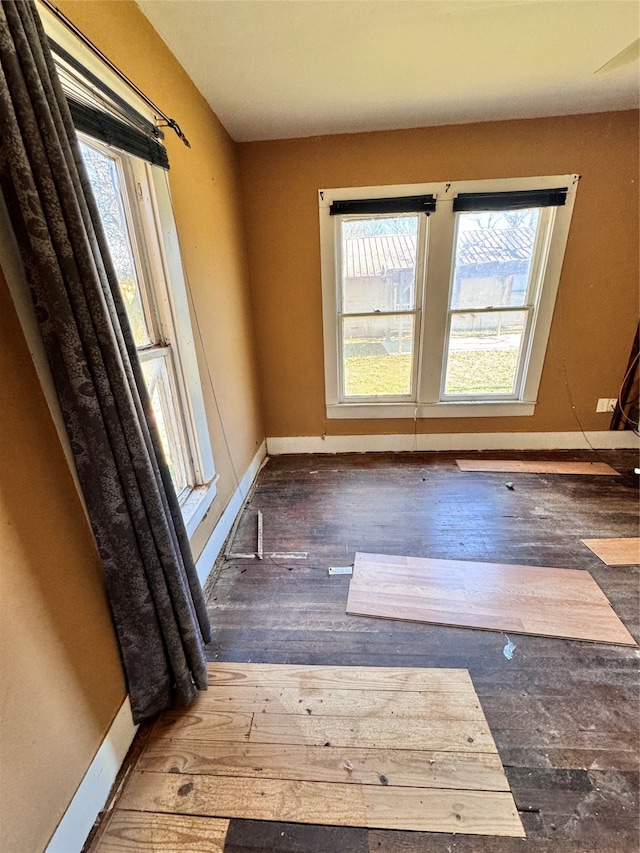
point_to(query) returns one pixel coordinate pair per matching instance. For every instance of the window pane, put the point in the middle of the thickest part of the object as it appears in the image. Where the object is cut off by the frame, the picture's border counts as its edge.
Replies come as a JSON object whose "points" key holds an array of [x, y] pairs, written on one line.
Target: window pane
{"points": [[378, 355], [379, 264], [103, 176], [493, 258], [156, 377], [483, 352]]}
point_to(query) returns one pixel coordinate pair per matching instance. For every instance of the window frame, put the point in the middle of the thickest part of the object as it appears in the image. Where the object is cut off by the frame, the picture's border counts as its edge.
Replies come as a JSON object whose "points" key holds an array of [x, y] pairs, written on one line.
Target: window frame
{"points": [[530, 307], [149, 214], [416, 311], [438, 265]]}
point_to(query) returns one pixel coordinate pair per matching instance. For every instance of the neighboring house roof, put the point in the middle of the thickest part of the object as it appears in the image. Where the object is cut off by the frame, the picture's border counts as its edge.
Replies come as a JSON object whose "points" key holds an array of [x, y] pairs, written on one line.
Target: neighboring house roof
{"points": [[368, 257], [498, 244]]}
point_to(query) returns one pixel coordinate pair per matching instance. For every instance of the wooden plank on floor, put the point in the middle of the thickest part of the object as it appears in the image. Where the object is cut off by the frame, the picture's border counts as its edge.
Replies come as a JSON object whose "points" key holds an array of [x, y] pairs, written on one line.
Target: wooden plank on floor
{"points": [[512, 466], [145, 832], [461, 577], [216, 726], [338, 677], [616, 552], [356, 766], [382, 807], [366, 769], [526, 617], [372, 733], [528, 598], [563, 603], [339, 703]]}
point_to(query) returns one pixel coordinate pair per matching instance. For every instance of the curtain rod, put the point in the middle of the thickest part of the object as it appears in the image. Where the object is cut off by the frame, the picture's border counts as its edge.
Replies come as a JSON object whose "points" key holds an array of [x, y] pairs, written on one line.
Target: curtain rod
{"points": [[169, 122]]}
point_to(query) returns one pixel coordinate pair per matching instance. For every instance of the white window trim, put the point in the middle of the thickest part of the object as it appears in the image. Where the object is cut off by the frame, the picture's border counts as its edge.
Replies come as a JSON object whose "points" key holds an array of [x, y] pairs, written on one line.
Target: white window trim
{"points": [[174, 311], [441, 236], [199, 500], [152, 193]]}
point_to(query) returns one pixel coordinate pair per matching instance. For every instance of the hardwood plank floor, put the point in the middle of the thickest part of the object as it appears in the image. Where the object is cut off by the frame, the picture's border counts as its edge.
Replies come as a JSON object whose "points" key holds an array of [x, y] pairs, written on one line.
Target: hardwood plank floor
{"points": [[564, 714]]}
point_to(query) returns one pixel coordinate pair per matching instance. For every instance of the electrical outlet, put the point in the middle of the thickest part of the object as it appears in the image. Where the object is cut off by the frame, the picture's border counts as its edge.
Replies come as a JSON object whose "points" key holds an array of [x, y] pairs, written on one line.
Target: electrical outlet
{"points": [[606, 404], [612, 404]]}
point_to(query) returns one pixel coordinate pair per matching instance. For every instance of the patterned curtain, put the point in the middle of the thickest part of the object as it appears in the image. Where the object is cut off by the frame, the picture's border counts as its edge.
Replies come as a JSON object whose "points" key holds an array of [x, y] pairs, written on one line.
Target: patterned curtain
{"points": [[156, 600], [626, 414]]}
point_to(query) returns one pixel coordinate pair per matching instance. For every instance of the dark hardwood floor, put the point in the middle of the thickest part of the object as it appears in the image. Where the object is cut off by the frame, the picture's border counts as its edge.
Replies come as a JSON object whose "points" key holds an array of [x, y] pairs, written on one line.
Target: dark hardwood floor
{"points": [[564, 714]]}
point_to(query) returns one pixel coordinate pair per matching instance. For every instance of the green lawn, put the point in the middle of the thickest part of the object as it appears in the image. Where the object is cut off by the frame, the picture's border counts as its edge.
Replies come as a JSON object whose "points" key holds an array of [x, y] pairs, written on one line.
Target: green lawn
{"points": [[366, 375], [482, 371], [471, 372]]}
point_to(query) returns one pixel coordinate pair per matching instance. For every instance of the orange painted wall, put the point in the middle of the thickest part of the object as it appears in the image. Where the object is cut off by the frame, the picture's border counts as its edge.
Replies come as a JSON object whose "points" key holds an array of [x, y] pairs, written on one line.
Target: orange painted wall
{"points": [[62, 682], [597, 305]]}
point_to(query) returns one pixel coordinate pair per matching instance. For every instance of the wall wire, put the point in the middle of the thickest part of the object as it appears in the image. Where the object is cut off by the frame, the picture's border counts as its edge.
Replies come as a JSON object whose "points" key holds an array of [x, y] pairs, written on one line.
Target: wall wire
{"points": [[206, 361]]}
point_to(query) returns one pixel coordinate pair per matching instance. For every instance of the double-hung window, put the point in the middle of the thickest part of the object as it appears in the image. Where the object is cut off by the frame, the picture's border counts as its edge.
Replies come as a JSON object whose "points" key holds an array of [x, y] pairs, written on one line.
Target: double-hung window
{"points": [[437, 299], [380, 261], [116, 179], [127, 169]]}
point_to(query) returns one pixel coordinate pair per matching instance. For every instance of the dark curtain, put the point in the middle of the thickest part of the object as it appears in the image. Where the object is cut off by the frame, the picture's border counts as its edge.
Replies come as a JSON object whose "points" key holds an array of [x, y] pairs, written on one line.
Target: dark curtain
{"points": [[627, 412], [154, 593]]}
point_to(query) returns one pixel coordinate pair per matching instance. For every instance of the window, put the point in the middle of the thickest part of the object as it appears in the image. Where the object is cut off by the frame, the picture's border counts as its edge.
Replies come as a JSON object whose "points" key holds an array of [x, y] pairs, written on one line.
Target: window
{"points": [[108, 174], [125, 189], [379, 304], [437, 299]]}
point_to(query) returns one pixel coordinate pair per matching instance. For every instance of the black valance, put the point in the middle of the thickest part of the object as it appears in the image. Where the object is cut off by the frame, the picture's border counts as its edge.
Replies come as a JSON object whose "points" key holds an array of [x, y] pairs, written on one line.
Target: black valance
{"points": [[403, 204], [102, 114], [105, 127], [516, 200]]}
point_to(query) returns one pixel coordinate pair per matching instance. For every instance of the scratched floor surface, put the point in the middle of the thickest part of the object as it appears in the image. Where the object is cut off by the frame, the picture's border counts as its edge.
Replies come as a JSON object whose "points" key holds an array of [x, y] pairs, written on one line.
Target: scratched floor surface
{"points": [[563, 713]]}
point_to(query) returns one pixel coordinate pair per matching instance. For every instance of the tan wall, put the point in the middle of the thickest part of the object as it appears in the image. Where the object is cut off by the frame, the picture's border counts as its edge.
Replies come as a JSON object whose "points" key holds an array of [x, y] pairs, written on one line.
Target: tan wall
{"points": [[62, 682], [597, 306], [61, 676]]}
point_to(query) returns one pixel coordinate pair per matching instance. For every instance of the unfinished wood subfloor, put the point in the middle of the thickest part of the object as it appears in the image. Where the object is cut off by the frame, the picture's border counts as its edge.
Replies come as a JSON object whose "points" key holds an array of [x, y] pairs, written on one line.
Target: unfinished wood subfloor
{"points": [[145, 832], [551, 602], [374, 747], [616, 552], [513, 466]]}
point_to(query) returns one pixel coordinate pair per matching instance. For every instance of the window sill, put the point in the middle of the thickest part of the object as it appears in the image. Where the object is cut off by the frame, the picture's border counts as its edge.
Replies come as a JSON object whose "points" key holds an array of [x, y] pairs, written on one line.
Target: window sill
{"points": [[481, 409], [197, 504]]}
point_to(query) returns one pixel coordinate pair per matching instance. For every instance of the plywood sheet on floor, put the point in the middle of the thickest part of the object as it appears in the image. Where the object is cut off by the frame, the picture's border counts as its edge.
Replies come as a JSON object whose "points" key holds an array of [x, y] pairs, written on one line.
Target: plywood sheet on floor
{"points": [[550, 602], [374, 747], [615, 552], [512, 466]]}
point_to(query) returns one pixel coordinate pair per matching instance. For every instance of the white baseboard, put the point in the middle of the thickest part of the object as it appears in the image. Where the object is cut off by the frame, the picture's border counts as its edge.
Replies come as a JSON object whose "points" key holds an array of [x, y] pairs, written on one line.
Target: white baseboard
{"points": [[220, 532], [604, 440], [92, 794]]}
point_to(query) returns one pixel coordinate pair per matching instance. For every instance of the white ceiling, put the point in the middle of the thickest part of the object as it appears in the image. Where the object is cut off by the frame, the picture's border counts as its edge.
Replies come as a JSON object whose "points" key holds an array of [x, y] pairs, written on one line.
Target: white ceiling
{"points": [[274, 69]]}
